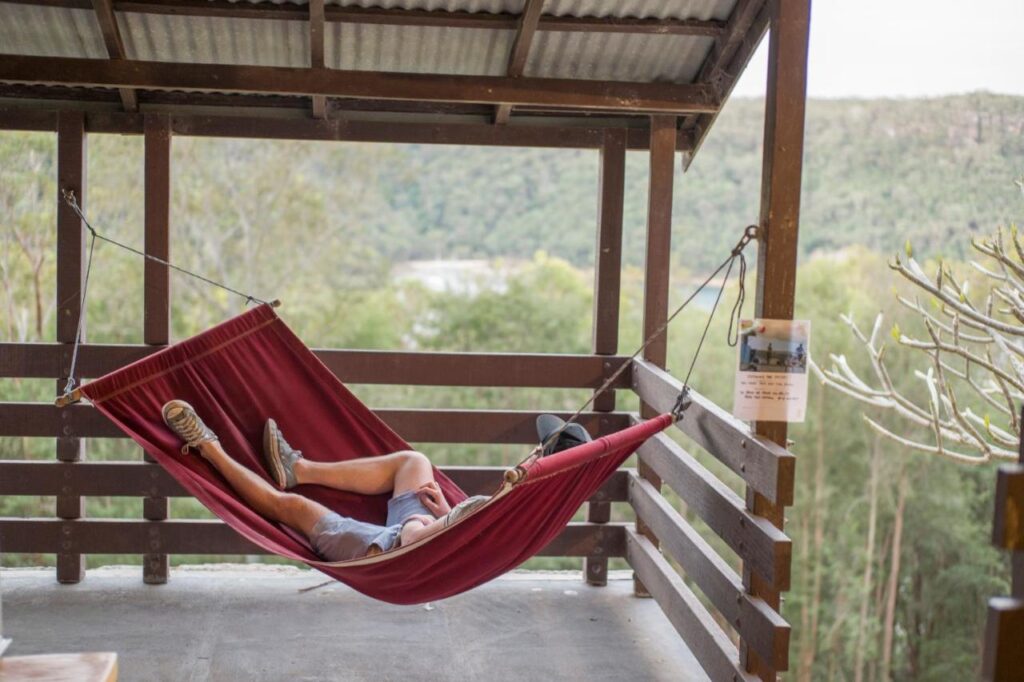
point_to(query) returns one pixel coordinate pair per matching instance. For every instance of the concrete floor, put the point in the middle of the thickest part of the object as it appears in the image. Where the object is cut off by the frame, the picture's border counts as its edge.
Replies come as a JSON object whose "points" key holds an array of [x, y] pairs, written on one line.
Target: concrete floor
{"points": [[251, 623]]}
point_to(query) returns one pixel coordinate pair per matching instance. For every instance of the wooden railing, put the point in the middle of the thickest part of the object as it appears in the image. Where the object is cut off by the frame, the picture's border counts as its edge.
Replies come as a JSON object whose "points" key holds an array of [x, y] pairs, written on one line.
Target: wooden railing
{"points": [[1004, 632], [761, 548], [732, 614]]}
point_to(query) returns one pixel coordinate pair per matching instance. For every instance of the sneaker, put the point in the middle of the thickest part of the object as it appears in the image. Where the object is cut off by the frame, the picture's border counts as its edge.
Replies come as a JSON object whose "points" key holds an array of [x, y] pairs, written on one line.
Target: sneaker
{"points": [[280, 457], [465, 508], [181, 418]]}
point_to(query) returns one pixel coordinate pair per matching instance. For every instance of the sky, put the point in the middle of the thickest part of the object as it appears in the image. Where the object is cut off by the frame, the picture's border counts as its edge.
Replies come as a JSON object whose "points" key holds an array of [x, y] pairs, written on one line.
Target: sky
{"points": [[907, 48]]}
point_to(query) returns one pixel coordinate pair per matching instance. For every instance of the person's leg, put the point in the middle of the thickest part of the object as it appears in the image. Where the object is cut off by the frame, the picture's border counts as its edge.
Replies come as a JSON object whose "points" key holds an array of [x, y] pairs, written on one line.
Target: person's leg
{"points": [[295, 511], [397, 473]]}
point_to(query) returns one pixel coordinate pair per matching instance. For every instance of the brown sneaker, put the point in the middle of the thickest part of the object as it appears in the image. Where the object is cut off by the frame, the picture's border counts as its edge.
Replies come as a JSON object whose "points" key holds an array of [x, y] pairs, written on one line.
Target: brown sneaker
{"points": [[183, 420], [279, 456]]}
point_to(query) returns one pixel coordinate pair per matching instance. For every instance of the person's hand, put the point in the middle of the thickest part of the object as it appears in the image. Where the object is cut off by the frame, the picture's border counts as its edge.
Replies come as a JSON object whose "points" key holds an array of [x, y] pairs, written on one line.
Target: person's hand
{"points": [[433, 499]]}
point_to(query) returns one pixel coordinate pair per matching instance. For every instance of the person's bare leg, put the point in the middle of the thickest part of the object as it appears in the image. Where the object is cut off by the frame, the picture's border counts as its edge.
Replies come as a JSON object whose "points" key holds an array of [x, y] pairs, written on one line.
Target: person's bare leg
{"points": [[397, 473], [295, 511]]}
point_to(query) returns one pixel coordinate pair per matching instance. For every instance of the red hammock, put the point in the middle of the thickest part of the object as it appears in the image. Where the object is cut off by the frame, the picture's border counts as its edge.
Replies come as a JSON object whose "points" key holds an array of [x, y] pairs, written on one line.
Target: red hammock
{"points": [[252, 367]]}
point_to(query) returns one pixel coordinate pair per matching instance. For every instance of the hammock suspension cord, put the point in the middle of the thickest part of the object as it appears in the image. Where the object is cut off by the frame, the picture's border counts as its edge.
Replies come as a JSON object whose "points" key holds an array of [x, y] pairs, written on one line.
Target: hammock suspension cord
{"points": [[70, 200], [682, 400]]}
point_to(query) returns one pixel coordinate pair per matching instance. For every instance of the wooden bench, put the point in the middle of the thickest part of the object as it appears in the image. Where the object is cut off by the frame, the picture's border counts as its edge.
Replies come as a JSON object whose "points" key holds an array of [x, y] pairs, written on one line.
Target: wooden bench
{"points": [[87, 667]]}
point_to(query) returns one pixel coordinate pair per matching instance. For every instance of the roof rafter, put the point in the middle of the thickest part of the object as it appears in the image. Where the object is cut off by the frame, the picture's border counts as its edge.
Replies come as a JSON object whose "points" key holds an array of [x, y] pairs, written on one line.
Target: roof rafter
{"points": [[528, 22], [545, 92], [725, 63], [400, 17], [115, 46]]}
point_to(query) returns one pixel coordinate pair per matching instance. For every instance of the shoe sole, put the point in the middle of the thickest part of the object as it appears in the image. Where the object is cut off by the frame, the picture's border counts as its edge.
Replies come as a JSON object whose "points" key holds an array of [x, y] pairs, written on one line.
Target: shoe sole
{"points": [[272, 454]]}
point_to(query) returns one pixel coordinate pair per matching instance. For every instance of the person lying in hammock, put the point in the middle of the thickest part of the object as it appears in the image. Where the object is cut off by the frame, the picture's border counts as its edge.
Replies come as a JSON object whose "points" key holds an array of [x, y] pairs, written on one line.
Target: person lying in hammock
{"points": [[417, 508]]}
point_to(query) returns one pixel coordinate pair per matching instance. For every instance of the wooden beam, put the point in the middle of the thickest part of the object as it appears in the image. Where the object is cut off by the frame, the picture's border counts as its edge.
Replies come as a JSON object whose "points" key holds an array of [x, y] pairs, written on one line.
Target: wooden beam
{"points": [[657, 261], [703, 636], [554, 92], [724, 78], [401, 17], [140, 479], [1008, 525], [778, 229], [659, 237], [316, 51], [71, 177], [607, 276], [526, 29], [115, 46], [267, 123], [156, 326], [1003, 656], [43, 420], [757, 624]]}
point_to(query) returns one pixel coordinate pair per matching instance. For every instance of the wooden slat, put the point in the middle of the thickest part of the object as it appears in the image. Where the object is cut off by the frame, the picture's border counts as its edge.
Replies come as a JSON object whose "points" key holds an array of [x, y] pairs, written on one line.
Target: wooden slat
{"points": [[520, 52], [553, 92], [401, 17], [416, 426], [765, 466], [71, 172], [702, 635], [140, 479], [757, 624], [763, 547], [1003, 659], [1008, 525], [115, 46], [114, 536], [42, 360]]}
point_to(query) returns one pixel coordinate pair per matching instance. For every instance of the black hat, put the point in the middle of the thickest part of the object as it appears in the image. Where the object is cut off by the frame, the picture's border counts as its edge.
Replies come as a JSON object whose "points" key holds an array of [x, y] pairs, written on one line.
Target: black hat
{"points": [[571, 435]]}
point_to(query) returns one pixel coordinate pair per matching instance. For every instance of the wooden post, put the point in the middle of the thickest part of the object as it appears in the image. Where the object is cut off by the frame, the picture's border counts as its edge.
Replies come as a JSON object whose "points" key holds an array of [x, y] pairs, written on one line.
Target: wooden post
{"points": [[656, 271], [607, 277], [157, 302], [779, 224], [1003, 657], [71, 171]]}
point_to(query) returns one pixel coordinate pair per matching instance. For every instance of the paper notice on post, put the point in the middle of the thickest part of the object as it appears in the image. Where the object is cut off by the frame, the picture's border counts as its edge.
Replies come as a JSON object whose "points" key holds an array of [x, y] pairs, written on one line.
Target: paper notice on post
{"points": [[771, 379]]}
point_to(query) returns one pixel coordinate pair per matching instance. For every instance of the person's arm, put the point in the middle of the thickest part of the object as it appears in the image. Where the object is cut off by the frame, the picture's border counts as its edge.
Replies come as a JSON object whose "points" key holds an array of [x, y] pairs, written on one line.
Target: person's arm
{"points": [[420, 526]]}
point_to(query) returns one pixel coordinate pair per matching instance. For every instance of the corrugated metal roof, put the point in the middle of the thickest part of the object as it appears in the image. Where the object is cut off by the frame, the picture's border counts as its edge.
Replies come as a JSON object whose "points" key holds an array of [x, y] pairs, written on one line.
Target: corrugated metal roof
{"points": [[50, 31], [616, 56], [214, 40], [417, 49], [55, 31], [642, 9]]}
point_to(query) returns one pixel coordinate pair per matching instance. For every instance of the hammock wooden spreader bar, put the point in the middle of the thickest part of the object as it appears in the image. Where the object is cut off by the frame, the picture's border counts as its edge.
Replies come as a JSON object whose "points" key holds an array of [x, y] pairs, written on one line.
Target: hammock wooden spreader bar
{"points": [[253, 367]]}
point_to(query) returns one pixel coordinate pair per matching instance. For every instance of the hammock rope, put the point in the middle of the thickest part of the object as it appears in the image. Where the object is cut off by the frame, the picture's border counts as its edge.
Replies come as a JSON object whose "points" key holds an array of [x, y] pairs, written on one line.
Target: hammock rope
{"points": [[72, 201], [682, 400]]}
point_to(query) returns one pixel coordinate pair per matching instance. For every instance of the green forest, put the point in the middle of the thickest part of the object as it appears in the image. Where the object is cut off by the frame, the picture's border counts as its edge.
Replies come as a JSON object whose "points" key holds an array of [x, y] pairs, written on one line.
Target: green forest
{"points": [[891, 556]]}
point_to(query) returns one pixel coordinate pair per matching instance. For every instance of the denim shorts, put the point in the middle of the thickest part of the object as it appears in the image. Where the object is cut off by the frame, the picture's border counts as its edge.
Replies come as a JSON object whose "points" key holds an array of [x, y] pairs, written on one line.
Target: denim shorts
{"points": [[340, 538]]}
